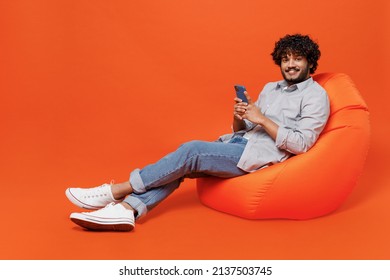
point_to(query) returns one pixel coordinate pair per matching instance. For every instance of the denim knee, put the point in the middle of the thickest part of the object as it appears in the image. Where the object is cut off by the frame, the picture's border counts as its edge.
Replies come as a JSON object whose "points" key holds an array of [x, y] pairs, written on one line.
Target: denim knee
{"points": [[192, 147]]}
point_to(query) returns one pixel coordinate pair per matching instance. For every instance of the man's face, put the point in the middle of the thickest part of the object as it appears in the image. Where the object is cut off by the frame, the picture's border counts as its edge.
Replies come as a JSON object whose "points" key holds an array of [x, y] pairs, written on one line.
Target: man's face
{"points": [[295, 68]]}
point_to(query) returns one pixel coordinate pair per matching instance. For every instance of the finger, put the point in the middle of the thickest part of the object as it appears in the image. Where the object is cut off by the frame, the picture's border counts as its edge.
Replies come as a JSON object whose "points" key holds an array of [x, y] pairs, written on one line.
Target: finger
{"points": [[241, 105], [238, 116], [240, 109], [248, 97], [239, 101]]}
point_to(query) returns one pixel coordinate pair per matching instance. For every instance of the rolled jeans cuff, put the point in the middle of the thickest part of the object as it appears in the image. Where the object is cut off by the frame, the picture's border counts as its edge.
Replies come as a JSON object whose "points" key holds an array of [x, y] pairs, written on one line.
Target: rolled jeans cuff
{"points": [[137, 205], [136, 182]]}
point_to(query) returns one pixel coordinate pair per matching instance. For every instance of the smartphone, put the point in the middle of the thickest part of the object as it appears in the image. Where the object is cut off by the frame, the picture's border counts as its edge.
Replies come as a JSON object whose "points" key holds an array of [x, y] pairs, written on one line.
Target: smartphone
{"points": [[240, 92]]}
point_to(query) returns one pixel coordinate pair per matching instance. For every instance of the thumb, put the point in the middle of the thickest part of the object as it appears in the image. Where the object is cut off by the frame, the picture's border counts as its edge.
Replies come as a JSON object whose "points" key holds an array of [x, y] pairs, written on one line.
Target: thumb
{"points": [[248, 97]]}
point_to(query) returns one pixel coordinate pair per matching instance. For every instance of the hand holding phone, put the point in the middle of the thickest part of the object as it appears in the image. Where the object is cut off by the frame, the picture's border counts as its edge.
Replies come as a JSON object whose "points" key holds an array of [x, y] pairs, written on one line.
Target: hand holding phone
{"points": [[240, 92]]}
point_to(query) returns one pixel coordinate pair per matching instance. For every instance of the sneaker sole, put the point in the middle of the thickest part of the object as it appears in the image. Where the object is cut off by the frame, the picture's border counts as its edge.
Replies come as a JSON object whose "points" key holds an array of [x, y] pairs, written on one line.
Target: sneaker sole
{"points": [[100, 224], [77, 202]]}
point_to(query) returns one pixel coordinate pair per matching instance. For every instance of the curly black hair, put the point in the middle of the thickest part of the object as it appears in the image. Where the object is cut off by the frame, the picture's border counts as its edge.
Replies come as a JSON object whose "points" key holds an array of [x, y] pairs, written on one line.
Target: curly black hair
{"points": [[297, 44]]}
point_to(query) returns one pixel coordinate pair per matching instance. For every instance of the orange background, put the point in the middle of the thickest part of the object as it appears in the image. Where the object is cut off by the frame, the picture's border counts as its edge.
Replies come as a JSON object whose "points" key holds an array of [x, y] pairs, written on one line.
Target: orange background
{"points": [[92, 89]]}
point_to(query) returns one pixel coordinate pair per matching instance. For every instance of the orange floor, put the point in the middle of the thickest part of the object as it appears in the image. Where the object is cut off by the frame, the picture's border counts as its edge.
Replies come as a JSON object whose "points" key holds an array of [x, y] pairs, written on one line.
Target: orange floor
{"points": [[87, 89]]}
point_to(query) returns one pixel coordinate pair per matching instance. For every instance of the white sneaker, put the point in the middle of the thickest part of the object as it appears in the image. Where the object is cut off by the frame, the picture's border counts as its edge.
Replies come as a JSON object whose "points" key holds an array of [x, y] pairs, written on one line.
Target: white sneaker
{"points": [[114, 217], [91, 198]]}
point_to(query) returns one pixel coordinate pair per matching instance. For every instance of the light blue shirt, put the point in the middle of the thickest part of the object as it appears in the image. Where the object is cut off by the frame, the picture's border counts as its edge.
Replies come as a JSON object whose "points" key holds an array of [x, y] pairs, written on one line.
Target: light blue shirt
{"points": [[301, 111]]}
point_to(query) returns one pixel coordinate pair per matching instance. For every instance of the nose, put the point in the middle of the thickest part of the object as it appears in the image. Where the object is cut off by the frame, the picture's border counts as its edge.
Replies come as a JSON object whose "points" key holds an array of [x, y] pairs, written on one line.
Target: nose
{"points": [[291, 62]]}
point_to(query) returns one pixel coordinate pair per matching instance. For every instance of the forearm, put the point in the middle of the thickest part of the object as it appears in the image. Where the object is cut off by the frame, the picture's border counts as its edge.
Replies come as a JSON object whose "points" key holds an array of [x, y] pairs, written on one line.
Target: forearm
{"points": [[238, 124], [269, 126]]}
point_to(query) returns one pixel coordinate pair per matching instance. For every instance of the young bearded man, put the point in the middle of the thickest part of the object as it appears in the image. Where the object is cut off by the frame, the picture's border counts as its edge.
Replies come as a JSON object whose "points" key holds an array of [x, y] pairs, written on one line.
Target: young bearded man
{"points": [[286, 120]]}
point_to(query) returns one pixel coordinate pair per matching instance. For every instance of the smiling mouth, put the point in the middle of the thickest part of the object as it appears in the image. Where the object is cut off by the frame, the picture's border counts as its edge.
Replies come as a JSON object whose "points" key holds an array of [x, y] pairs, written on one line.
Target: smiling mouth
{"points": [[292, 70]]}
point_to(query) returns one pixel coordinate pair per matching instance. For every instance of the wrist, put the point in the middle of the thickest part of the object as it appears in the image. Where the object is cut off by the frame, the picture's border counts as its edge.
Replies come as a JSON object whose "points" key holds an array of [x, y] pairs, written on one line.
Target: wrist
{"points": [[261, 121]]}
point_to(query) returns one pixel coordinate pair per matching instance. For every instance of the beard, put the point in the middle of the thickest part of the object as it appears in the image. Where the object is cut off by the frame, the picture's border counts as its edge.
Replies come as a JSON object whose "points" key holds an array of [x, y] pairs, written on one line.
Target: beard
{"points": [[302, 76]]}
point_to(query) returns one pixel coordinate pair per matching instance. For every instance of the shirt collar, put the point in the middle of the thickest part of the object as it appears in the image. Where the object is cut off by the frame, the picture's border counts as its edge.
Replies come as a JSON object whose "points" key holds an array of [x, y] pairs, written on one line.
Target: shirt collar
{"points": [[300, 86]]}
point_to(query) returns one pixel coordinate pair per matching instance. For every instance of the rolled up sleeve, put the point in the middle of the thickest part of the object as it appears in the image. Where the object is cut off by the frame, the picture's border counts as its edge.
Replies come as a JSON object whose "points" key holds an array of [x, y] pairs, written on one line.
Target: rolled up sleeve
{"points": [[301, 136]]}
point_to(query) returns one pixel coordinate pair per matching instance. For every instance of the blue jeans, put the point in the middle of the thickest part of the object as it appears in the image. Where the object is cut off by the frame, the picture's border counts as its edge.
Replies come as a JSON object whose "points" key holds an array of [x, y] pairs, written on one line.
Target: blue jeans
{"points": [[194, 159]]}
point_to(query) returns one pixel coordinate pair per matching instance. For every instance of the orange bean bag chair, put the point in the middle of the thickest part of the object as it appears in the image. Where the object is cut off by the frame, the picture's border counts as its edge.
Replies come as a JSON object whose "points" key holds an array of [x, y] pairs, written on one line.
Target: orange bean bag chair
{"points": [[308, 185]]}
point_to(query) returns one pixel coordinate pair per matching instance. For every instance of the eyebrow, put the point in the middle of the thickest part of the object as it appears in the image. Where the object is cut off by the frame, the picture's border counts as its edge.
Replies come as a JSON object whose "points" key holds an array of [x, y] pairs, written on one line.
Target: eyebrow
{"points": [[285, 55]]}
